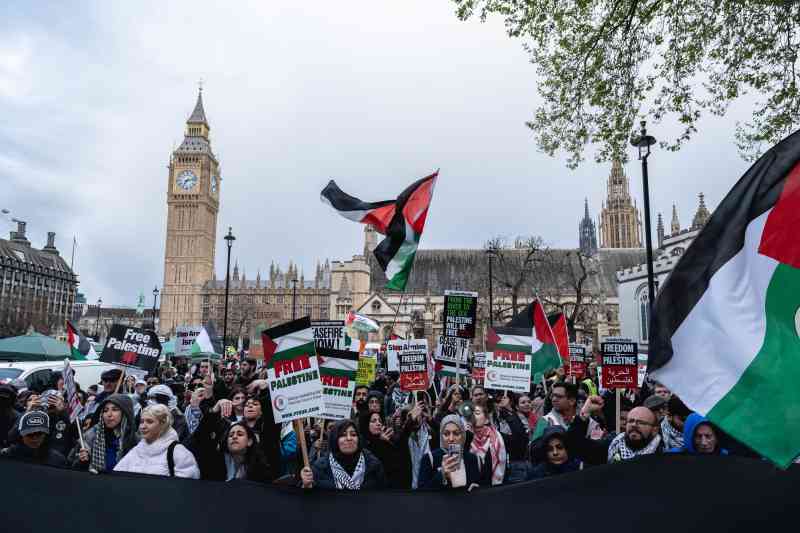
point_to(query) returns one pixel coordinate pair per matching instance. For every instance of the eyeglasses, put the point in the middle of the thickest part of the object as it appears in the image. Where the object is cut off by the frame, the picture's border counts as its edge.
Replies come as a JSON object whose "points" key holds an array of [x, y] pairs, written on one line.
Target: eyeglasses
{"points": [[634, 422]]}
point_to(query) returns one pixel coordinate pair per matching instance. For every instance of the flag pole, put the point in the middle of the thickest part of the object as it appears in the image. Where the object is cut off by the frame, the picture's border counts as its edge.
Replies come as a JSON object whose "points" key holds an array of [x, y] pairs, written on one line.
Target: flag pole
{"points": [[119, 381], [618, 410]]}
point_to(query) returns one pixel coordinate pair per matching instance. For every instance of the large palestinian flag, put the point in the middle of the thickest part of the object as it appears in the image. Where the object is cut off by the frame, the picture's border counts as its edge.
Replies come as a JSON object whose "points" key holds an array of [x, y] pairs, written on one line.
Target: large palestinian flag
{"points": [[79, 346], [725, 326], [529, 332], [401, 220]]}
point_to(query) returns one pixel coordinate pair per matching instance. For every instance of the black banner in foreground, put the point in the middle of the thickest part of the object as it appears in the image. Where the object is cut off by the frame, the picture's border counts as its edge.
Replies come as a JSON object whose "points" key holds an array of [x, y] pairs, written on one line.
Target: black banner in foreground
{"points": [[669, 494]]}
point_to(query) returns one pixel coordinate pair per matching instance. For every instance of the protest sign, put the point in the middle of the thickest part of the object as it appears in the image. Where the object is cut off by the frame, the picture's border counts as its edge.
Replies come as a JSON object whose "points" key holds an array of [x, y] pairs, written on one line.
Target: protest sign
{"points": [[134, 349], [479, 366], [393, 348], [366, 369], [337, 369], [460, 308], [73, 402], [184, 338], [329, 334], [507, 370], [577, 360], [413, 362], [620, 363], [292, 370], [452, 349]]}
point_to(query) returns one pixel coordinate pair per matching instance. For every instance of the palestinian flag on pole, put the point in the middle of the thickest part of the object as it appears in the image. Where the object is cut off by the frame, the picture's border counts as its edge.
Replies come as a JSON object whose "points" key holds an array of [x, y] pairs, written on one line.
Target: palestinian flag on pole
{"points": [[79, 346], [558, 323], [401, 220], [725, 327], [202, 344], [530, 328], [338, 363]]}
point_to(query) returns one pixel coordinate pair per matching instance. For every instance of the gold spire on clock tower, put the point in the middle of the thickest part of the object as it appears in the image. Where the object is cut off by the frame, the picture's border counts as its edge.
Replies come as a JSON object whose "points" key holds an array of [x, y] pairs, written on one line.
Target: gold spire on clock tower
{"points": [[193, 188]]}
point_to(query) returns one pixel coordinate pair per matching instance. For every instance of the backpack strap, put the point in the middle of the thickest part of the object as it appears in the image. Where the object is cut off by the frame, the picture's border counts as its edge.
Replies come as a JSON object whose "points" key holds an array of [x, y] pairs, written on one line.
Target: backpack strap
{"points": [[171, 458]]}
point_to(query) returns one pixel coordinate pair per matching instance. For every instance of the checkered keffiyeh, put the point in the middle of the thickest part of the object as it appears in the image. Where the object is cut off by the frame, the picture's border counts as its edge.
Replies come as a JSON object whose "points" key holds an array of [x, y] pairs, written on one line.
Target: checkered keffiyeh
{"points": [[98, 457]]}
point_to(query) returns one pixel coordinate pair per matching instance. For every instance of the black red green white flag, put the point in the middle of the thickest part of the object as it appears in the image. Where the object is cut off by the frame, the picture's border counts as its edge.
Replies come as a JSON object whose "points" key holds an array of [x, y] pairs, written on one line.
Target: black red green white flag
{"points": [[725, 329], [401, 220]]}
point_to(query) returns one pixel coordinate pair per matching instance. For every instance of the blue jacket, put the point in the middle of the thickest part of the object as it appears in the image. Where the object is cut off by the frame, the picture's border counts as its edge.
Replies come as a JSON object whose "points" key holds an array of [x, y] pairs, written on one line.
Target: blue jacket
{"points": [[689, 429]]}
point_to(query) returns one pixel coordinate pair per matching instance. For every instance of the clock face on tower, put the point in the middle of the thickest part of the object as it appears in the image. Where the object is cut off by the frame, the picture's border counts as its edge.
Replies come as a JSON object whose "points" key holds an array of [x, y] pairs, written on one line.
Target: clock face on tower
{"points": [[186, 180], [214, 181]]}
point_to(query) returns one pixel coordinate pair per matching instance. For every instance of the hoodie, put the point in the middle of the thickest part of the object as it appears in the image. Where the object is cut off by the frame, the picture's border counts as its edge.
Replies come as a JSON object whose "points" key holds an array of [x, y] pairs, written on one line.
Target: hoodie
{"points": [[151, 458], [114, 446], [693, 421]]}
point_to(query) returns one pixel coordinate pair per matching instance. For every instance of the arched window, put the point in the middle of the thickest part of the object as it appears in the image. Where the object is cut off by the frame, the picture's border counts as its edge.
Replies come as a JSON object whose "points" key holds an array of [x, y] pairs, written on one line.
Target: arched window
{"points": [[643, 304], [376, 306]]}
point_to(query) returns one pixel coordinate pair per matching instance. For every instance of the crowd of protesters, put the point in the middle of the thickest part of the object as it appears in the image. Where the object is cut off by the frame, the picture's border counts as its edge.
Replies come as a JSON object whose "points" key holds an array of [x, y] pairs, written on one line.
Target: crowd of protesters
{"points": [[214, 421]]}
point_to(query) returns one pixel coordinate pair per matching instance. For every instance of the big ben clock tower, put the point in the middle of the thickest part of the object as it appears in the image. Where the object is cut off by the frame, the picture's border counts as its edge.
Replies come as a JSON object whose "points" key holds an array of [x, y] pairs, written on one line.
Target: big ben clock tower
{"points": [[193, 189]]}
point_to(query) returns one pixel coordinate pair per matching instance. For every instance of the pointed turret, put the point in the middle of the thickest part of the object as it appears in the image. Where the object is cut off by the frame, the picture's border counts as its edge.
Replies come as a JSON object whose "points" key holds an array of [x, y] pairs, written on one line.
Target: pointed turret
{"points": [[198, 116], [702, 215], [660, 231], [675, 227], [236, 271], [258, 279], [243, 283]]}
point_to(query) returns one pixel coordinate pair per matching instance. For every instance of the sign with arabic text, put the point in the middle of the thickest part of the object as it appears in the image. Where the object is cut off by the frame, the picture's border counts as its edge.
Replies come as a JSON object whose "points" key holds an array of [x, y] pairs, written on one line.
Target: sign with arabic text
{"points": [[620, 364], [413, 362]]}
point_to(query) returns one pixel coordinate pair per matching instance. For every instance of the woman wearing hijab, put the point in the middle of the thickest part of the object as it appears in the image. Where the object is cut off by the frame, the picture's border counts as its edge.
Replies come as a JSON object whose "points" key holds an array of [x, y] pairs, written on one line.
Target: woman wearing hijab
{"points": [[158, 453], [552, 456], [379, 439], [487, 444], [110, 439], [348, 466], [451, 466]]}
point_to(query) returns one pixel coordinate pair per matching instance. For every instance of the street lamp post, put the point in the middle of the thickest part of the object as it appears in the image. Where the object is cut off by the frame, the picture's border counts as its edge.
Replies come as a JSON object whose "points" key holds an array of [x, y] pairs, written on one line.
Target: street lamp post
{"points": [[229, 238], [294, 298], [643, 142], [97, 326], [155, 299], [491, 295]]}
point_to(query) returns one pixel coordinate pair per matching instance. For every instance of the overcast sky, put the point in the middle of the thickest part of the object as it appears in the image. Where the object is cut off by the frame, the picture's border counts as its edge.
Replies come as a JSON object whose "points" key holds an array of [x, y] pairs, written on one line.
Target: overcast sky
{"points": [[94, 95]]}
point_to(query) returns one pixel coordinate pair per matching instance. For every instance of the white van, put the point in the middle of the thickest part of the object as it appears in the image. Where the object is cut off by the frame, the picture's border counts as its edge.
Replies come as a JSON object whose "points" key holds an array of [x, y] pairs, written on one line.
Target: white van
{"points": [[37, 374]]}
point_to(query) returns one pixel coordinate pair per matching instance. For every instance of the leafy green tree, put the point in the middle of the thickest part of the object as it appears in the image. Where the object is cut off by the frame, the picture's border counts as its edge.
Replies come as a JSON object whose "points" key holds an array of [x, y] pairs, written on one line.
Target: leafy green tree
{"points": [[603, 64]]}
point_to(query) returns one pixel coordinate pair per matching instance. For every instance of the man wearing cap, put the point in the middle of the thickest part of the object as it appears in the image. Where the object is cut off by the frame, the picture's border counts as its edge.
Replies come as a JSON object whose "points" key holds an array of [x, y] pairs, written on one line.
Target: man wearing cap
{"points": [[34, 430], [657, 404], [109, 379], [9, 417]]}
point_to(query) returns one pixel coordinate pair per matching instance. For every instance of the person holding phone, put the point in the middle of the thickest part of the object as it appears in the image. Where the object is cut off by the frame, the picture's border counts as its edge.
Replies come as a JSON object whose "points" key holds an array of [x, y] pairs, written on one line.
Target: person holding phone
{"points": [[451, 466]]}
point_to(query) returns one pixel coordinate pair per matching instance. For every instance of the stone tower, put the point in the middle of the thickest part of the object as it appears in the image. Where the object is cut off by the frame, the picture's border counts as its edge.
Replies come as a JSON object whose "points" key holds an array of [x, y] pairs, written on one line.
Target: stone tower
{"points": [[702, 215], [620, 220], [675, 225], [193, 189], [587, 234]]}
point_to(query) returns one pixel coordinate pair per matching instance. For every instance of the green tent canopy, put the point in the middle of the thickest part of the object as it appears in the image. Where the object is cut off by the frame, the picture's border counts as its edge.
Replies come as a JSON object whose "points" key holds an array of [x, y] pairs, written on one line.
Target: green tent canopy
{"points": [[33, 347]]}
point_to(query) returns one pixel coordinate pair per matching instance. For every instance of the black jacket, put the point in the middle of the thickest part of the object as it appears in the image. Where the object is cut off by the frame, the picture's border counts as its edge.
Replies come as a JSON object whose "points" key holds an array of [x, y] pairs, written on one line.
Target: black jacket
{"points": [[8, 425], [207, 443], [431, 477], [44, 455], [393, 458], [517, 442], [374, 477]]}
